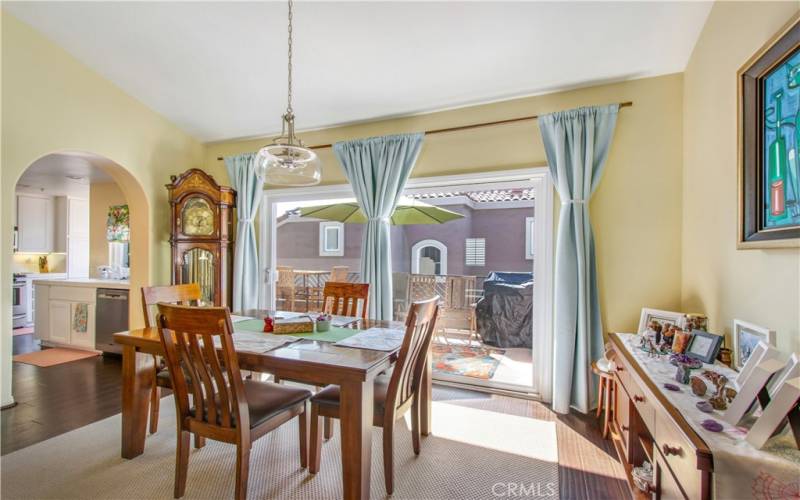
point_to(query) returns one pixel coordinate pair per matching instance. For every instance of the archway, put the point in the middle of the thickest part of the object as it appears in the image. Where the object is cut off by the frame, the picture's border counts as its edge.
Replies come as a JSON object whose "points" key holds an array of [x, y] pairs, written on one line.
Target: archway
{"points": [[429, 257], [140, 254]]}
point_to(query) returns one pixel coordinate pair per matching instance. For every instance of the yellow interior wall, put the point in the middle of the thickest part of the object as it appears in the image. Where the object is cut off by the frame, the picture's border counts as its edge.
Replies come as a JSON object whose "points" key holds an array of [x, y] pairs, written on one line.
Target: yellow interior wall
{"points": [[101, 196], [636, 211], [760, 286], [51, 102]]}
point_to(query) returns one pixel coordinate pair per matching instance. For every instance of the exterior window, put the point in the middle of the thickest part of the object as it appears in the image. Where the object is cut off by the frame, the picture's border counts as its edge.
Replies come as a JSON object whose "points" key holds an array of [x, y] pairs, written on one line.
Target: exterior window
{"points": [[530, 235], [331, 239], [476, 252], [429, 257]]}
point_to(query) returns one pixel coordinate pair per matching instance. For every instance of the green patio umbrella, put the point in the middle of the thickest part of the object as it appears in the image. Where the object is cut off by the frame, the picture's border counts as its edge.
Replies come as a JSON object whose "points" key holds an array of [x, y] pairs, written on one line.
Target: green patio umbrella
{"points": [[408, 211]]}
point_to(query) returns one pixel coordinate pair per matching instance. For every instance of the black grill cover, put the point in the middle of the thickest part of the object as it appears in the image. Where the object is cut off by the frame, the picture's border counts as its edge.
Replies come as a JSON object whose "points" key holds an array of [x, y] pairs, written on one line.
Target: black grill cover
{"points": [[505, 312]]}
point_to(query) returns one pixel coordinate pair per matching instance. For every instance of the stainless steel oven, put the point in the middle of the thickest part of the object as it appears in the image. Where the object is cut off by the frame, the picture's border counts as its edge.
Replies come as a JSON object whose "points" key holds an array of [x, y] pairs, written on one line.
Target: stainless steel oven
{"points": [[19, 298]]}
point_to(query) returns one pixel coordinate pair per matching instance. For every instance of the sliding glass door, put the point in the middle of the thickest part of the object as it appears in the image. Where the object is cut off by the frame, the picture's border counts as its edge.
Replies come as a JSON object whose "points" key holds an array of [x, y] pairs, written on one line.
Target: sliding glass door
{"points": [[491, 266]]}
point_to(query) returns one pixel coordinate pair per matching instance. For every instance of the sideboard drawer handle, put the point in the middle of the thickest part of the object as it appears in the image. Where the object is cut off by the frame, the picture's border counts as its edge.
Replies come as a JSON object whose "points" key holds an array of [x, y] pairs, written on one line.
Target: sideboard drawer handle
{"points": [[625, 428], [638, 399], [620, 369], [671, 450]]}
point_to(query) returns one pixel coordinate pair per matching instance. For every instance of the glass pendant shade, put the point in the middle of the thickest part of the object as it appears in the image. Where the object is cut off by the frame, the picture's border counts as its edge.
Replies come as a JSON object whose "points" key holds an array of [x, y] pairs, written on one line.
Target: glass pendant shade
{"points": [[288, 165]]}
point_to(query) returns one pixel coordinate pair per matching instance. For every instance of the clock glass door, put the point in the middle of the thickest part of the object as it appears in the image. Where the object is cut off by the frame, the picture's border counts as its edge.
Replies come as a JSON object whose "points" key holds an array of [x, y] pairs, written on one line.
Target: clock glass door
{"points": [[198, 267]]}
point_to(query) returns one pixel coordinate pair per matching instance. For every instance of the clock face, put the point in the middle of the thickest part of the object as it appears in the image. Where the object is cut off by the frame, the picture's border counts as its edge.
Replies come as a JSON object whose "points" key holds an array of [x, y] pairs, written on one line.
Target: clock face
{"points": [[197, 218]]}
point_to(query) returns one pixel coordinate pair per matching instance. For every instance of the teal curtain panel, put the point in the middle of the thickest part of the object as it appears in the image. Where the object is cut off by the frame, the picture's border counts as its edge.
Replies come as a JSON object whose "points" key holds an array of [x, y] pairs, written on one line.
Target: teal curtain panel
{"points": [[249, 189], [378, 168], [576, 143]]}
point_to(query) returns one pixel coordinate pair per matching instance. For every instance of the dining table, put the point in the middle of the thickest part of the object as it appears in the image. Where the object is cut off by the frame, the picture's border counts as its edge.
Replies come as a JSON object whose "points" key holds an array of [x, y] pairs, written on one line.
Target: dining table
{"points": [[308, 361]]}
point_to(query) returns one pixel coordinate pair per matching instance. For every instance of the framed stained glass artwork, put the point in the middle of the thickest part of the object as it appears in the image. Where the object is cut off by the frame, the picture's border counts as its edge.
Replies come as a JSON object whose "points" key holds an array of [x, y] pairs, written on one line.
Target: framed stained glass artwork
{"points": [[769, 143], [118, 224]]}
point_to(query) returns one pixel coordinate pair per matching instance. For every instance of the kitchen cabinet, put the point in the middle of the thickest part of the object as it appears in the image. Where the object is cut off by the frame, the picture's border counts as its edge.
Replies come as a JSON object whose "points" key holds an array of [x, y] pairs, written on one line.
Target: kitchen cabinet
{"points": [[30, 289], [59, 321], [72, 234], [35, 223], [66, 312]]}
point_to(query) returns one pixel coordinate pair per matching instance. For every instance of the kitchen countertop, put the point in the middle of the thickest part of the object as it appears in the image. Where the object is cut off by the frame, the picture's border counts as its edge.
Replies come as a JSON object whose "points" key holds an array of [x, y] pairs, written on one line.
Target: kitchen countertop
{"points": [[85, 282]]}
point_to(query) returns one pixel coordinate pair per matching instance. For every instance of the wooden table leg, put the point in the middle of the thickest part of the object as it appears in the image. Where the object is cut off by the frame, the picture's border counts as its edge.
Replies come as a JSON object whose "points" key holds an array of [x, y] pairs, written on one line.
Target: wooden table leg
{"points": [[356, 425], [137, 380], [427, 396]]}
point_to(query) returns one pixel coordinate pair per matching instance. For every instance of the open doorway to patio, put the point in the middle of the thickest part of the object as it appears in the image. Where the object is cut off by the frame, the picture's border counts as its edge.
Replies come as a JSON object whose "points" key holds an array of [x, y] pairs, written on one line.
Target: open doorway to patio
{"points": [[491, 264]]}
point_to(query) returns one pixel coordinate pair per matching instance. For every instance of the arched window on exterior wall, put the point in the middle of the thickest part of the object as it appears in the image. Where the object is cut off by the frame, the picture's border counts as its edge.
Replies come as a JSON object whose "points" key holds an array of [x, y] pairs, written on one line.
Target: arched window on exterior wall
{"points": [[429, 257]]}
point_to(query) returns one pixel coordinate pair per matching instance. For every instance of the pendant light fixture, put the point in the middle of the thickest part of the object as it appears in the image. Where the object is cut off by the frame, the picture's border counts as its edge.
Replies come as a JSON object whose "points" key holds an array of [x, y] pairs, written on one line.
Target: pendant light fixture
{"points": [[287, 161]]}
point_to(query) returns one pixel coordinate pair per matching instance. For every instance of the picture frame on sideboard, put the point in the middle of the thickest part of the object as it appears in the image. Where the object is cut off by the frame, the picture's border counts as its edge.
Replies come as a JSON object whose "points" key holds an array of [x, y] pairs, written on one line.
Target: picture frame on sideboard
{"points": [[746, 337], [665, 318]]}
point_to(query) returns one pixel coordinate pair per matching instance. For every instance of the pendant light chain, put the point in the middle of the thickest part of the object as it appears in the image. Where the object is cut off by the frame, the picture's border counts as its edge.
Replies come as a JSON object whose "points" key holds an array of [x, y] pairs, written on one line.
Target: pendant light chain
{"points": [[287, 161], [289, 102]]}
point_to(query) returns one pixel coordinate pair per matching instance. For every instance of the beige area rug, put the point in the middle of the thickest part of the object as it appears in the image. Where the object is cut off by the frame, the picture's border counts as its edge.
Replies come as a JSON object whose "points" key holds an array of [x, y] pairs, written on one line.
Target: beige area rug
{"points": [[53, 356], [476, 452]]}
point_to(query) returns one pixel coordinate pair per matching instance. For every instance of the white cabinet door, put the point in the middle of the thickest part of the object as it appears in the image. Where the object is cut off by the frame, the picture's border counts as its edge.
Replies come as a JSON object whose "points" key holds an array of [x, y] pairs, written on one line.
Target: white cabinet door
{"points": [[77, 238], [60, 316], [41, 325], [35, 223], [82, 325], [77, 257]]}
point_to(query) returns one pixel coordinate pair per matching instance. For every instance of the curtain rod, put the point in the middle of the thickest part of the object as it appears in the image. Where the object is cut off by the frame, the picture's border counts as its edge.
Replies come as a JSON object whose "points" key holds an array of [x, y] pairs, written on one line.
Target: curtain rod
{"points": [[467, 127]]}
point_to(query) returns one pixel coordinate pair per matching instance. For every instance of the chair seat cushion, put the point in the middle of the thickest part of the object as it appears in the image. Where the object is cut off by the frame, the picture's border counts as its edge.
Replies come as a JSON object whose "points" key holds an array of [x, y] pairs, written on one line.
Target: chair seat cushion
{"points": [[330, 395], [267, 399], [163, 379]]}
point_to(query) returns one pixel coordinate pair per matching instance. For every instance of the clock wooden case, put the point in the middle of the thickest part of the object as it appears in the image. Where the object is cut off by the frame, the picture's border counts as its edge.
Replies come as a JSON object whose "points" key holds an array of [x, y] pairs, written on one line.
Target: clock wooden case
{"points": [[202, 234]]}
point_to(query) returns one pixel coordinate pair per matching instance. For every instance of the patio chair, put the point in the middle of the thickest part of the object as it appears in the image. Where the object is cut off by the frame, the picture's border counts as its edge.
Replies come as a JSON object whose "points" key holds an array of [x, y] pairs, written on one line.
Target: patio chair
{"points": [[285, 288], [338, 274], [458, 308]]}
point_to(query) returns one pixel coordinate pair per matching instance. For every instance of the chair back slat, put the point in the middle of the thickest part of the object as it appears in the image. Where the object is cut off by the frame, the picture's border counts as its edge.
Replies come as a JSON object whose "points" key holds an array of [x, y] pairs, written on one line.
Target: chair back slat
{"points": [[342, 299], [407, 375], [187, 334], [188, 294]]}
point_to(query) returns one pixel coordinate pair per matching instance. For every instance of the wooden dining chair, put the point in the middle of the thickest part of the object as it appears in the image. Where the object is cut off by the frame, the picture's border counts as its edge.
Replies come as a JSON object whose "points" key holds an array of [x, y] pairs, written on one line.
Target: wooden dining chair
{"points": [[188, 295], [394, 394], [343, 299], [225, 407]]}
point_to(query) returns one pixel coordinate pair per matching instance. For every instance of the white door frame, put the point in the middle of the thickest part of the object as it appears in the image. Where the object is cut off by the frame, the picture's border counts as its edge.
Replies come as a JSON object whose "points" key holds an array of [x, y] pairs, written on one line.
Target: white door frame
{"points": [[543, 266], [417, 248]]}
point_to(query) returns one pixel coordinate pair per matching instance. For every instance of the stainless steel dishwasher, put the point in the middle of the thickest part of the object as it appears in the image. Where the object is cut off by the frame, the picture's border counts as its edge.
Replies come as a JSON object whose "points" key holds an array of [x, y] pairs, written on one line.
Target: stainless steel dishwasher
{"points": [[111, 316]]}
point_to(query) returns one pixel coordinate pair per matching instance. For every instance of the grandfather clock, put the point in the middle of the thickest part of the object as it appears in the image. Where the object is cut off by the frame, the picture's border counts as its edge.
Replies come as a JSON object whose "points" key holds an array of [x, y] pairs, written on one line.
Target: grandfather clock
{"points": [[201, 238]]}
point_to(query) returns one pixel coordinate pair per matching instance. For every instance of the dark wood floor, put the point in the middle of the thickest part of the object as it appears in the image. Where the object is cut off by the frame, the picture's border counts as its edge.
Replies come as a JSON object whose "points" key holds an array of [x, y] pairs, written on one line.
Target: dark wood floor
{"points": [[61, 398]]}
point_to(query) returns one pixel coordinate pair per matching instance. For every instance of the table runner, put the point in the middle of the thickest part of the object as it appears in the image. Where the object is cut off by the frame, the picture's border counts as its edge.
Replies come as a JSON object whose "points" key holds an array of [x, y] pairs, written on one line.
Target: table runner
{"points": [[740, 470], [335, 333]]}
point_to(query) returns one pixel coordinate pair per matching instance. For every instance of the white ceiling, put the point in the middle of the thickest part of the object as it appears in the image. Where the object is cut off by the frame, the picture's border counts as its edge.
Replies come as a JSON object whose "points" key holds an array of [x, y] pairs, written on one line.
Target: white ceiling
{"points": [[218, 69], [62, 172]]}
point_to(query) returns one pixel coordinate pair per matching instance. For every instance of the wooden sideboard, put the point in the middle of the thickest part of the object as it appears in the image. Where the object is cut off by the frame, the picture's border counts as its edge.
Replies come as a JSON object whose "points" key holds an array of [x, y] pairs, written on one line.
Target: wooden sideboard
{"points": [[646, 426]]}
